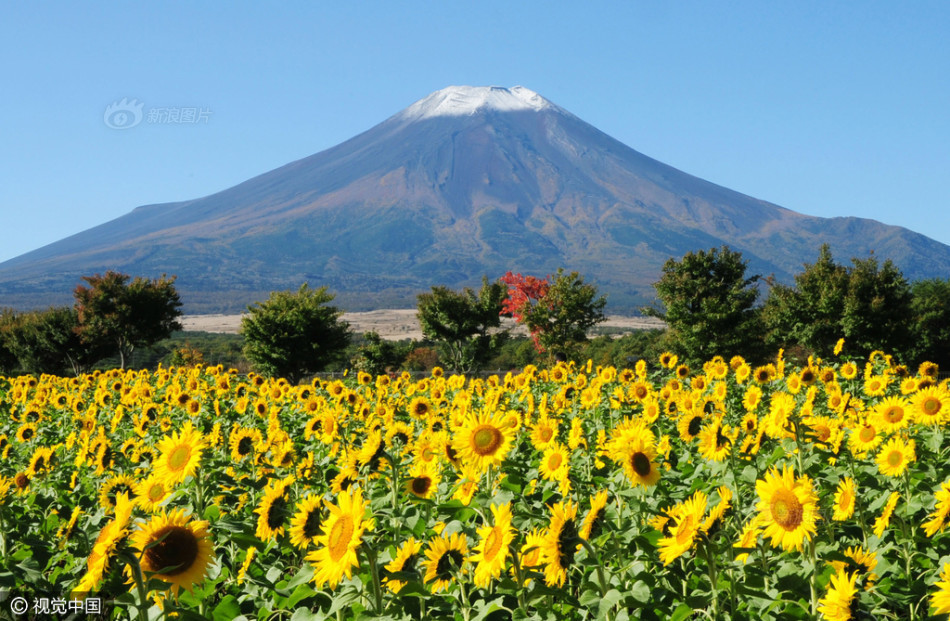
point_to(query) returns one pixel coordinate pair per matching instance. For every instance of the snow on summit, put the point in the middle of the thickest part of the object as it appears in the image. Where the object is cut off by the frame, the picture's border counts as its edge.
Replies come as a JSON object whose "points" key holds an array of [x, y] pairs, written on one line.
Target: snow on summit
{"points": [[467, 100]]}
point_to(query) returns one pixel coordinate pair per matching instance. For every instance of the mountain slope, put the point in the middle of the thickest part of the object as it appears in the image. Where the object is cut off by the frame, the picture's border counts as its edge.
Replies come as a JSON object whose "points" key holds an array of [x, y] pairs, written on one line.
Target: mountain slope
{"points": [[466, 182]]}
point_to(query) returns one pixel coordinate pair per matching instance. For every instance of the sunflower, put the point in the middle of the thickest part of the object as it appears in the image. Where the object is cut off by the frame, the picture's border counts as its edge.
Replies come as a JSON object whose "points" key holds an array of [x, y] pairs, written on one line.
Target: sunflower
{"points": [[491, 553], [864, 438], [483, 440], [940, 599], [180, 454], [787, 508], [246, 565], [151, 493], [406, 561], [633, 448], [560, 544], [884, 520], [26, 432], [305, 525], [715, 442], [543, 432], [893, 459], [65, 531], [690, 424], [118, 484], [713, 521], [892, 413], [931, 405], [244, 442], [40, 461], [860, 561], [594, 520], [686, 518], [844, 500], [555, 463], [423, 480], [938, 518], [445, 557], [109, 538], [876, 385], [341, 536], [273, 510], [836, 604], [175, 549]]}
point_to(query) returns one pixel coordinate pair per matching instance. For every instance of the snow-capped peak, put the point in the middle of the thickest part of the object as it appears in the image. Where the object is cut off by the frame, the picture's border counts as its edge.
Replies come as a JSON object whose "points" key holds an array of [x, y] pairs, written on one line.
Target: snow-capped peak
{"points": [[467, 100]]}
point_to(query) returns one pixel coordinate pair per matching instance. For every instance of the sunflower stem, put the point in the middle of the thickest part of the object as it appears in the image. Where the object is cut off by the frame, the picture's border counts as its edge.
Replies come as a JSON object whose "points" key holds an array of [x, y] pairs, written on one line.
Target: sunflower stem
{"points": [[601, 579], [139, 580], [377, 588], [813, 579]]}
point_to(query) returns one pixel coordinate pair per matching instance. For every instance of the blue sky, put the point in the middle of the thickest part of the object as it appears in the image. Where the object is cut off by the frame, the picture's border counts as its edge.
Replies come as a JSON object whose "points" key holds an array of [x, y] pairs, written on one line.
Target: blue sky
{"points": [[826, 108]]}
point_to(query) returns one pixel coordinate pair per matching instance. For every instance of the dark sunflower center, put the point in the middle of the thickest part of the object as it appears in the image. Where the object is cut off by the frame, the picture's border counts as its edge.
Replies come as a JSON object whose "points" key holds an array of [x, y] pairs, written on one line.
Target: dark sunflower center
{"points": [[567, 541], [695, 424], [27, 434], [175, 552], [641, 464], [401, 437], [277, 513], [311, 526], [449, 562], [244, 446], [596, 525], [421, 485]]}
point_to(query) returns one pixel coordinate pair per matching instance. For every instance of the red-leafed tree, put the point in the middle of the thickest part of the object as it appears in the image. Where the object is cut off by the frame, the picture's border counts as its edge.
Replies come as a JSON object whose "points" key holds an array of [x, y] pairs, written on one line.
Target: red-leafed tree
{"points": [[557, 310]]}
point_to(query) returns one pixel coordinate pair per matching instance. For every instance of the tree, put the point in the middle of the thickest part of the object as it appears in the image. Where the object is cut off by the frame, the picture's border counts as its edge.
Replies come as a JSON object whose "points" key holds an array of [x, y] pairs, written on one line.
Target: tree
{"points": [[377, 356], [558, 311], [127, 314], [293, 334], [462, 323], [808, 314], [710, 304], [930, 309], [9, 324], [877, 310], [868, 304], [49, 342]]}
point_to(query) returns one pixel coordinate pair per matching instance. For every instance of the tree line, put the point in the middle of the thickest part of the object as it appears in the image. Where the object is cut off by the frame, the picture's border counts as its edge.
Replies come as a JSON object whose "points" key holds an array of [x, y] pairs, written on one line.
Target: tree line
{"points": [[710, 304]]}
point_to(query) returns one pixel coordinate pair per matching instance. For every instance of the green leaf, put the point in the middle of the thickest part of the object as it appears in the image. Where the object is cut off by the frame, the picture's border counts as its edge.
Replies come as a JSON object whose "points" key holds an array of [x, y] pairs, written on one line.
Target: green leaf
{"points": [[227, 610]]}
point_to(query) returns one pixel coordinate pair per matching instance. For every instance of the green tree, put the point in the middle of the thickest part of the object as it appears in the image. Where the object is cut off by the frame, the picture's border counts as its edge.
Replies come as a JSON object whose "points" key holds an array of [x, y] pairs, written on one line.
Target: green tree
{"points": [[377, 356], [809, 313], [126, 313], [558, 311], [877, 310], [49, 342], [463, 324], [709, 305], [294, 334], [9, 324], [930, 309], [868, 304]]}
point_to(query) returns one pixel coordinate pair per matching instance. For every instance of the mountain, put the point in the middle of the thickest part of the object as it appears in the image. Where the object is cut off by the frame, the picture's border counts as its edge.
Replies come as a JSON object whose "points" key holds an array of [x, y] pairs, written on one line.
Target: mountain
{"points": [[466, 182]]}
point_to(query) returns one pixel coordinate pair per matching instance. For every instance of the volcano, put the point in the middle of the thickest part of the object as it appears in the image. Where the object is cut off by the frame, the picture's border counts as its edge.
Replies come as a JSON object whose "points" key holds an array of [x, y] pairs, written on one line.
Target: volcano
{"points": [[469, 181]]}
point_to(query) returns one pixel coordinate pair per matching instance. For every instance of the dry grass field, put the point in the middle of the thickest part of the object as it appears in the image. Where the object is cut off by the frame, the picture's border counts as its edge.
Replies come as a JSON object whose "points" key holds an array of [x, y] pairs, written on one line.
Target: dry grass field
{"points": [[394, 324]]}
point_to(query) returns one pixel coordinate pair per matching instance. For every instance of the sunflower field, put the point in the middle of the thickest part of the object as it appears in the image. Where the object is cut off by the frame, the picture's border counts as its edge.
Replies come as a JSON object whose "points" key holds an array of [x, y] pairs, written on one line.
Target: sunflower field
{"points": [[572, 492]]}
